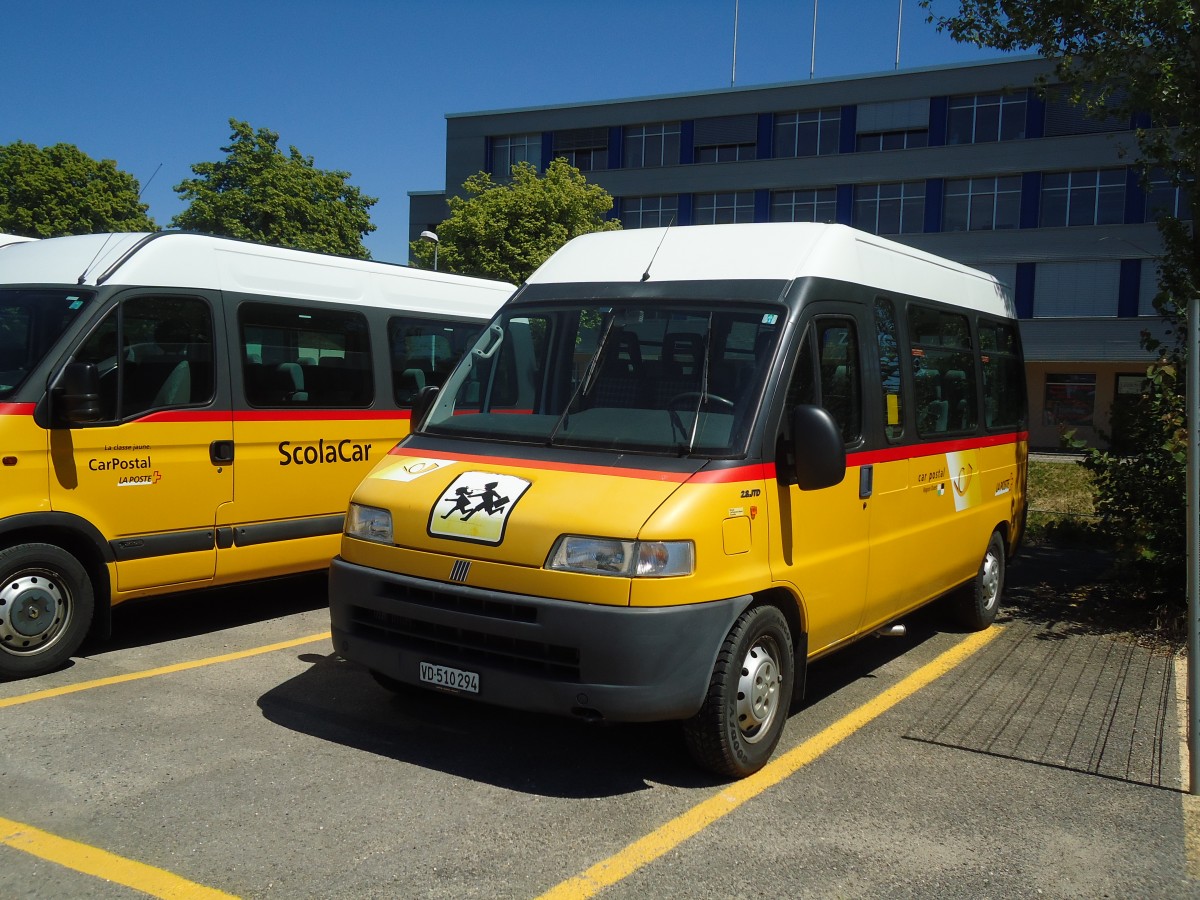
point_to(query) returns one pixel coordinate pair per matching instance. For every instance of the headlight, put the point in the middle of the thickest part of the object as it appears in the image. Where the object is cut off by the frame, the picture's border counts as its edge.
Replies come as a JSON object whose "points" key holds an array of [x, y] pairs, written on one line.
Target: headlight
{"points": [[369, 523], [630, 559]]}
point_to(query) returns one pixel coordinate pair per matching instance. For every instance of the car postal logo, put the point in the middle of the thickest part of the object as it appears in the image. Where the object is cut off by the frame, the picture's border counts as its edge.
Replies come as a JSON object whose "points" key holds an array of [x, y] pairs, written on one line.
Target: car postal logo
{"points": [[963, 468], [476, 507]]}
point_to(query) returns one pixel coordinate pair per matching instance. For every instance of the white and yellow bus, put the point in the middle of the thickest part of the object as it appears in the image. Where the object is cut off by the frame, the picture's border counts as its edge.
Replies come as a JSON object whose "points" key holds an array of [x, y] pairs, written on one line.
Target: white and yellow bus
{"points": [[680, 464], [181, 411]]}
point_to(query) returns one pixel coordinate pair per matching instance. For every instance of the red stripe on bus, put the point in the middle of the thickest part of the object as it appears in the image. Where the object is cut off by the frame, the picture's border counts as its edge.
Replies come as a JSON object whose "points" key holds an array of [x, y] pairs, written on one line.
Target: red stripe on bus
{"points": [[225, 415], [763, 471], [479, 459], [916, 451], [320, 415], [187, 415]]}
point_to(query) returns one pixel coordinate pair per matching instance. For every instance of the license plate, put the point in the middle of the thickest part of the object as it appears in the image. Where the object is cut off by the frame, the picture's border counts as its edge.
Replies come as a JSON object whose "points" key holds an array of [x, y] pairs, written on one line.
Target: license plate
{"points": [[446, 677]]}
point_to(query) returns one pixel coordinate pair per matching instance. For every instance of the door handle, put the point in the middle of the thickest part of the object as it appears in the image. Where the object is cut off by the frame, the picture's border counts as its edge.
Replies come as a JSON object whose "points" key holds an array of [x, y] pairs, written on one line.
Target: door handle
{"points": [[220, 453], [866, 482]]}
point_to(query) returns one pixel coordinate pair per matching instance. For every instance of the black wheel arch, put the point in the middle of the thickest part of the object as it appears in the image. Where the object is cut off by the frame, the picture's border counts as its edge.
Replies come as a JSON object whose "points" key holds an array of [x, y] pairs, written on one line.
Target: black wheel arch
{"points": [[789, 605], [81, 539]]}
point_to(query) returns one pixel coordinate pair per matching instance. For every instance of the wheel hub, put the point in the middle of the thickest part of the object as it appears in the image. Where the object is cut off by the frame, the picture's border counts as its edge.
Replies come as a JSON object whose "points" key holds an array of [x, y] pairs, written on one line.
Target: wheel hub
{"points": [[990, 580], [31, 612], [758, 693]]}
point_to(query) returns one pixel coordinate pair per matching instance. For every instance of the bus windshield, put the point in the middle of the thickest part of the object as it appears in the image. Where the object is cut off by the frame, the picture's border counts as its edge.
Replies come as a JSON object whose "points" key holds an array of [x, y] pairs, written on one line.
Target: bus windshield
{"points": [[669, 378], [31, 322]]}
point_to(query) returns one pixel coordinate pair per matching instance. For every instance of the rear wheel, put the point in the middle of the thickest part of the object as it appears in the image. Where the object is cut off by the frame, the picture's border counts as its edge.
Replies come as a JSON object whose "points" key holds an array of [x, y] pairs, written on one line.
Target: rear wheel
{"points": [[736, 730], [977, 604], [46, 606]]}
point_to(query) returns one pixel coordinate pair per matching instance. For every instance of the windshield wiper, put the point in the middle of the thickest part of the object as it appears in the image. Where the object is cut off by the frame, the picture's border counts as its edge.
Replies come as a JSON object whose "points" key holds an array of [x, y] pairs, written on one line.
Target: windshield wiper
{"points": [[703, 386], [589, 375]]}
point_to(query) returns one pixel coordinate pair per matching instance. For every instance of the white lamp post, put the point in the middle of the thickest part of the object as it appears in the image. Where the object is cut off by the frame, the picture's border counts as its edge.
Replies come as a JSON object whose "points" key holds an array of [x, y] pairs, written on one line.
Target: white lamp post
{"points": [[430, 236]]}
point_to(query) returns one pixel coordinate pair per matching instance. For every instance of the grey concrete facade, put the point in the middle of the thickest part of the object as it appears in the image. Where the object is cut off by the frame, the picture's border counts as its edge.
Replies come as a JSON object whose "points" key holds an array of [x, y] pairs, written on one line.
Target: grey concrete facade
{"points": [[1083, 289]]}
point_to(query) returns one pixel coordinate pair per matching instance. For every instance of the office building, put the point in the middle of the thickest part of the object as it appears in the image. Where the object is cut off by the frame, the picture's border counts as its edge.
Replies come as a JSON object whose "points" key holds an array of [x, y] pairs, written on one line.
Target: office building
{"points": [[970, 162]]}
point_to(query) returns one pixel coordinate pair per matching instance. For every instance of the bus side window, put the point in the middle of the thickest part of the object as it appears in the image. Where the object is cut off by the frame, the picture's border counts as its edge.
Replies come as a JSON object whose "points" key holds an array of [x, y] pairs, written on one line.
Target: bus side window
{"points": [[803, 388], [423, 351], [1003, 379], [100, 348], [890, 370], [943, 366], [167, 354], [841, 375], [301, 356], [829, 372]]}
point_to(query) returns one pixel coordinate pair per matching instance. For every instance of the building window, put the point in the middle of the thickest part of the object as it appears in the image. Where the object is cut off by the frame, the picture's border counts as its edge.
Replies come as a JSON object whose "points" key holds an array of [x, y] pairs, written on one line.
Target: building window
{"points": [[1148, 288], [1070, 399], [983, 118], [897, 208], [584, 148], [724, 208], [648, 212], [982, 204], [892, 140], [1166, 199], [1091, 197], [726, 138], [815, 205], [725, 153], [510, 149], [1064, 116], [810, 132], [651, 146], [1076, 289]]}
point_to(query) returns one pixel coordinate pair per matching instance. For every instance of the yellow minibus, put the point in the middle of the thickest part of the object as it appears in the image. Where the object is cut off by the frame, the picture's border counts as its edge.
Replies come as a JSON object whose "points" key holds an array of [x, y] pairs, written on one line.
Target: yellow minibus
{"points": [[680, 464], [181, 411]]}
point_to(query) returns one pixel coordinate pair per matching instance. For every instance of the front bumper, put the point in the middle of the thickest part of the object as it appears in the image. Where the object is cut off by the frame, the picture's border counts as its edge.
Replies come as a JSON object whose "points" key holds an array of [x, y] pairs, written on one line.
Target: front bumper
{"points": [[532, 653]]}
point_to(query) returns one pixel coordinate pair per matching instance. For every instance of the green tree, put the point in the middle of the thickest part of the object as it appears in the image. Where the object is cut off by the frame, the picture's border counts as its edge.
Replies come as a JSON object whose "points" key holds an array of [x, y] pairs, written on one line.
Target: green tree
{"points": [[1133, 57], [59, 189], [505, 231], [257, 193]]}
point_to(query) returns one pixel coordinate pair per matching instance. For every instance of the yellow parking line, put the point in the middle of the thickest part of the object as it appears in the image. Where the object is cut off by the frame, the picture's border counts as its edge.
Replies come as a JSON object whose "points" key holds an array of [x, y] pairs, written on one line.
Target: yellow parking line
{"points": [[163, 670], [659, 842], [102, 864]]}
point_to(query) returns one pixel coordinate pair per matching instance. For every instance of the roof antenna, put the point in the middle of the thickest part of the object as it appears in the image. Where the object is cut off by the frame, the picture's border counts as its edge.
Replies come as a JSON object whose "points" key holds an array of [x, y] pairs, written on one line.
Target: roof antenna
{"points": [[653, 256], [83, 275]]}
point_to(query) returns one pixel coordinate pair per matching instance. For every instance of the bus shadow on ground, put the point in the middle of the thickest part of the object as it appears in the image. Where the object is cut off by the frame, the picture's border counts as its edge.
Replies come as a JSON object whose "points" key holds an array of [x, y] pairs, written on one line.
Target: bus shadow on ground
{"points": [[338, 701], [153, 620]]}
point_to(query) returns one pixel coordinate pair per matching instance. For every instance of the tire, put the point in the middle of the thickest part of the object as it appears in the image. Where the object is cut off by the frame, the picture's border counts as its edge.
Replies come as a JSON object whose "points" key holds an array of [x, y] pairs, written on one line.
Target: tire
{"points": [[46, 605], [977, 604], [749, 695]]}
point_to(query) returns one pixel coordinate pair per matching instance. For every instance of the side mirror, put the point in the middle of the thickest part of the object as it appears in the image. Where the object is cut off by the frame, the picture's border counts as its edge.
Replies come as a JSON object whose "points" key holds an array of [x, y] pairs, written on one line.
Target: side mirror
{"points": [[421, 405], [817, 448], [76, 394]]}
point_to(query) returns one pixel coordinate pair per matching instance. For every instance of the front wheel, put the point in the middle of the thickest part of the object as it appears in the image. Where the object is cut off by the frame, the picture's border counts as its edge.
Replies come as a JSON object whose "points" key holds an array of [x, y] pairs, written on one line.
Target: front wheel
{"points": [[736, 730], [46, 605], [977, 604]]}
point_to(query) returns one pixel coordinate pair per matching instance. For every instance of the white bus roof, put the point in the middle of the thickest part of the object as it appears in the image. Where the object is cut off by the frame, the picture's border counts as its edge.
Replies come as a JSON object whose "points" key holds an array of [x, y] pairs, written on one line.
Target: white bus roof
{"points": [[185, 260], [6, 239], [773, 251]]}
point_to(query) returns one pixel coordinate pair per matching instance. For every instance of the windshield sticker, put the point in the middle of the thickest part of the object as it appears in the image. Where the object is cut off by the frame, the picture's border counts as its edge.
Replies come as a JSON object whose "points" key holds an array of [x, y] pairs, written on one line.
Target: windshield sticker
{"points": [[770, 318], [408, 469], [476, 507]]}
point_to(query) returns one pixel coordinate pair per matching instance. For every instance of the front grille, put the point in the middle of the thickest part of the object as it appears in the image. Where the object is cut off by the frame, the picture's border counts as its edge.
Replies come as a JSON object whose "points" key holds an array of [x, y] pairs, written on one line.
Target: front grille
{"points": [[466, 646], [475, 606]]}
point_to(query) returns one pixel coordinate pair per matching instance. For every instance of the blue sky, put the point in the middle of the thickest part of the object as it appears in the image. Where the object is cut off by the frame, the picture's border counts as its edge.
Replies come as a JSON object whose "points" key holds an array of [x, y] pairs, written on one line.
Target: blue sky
{"points": [[364, 85]]}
